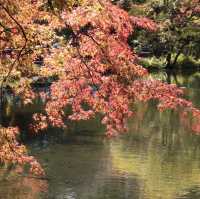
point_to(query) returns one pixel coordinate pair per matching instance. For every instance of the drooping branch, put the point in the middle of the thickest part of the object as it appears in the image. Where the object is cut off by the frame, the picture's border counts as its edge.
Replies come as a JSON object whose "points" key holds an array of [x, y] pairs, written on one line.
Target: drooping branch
{"points": [[18, 55]]}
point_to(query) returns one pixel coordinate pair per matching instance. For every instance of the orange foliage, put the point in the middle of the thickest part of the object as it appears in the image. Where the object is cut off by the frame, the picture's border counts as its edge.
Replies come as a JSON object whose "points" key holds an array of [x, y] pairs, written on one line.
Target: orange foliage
{"points": [[85, 48]]}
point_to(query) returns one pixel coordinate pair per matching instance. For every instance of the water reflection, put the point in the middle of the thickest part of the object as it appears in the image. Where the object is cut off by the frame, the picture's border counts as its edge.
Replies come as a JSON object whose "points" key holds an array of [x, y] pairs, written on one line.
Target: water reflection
{"points": [[166, 169], [16, 186], [158, 159], [85, 171]]}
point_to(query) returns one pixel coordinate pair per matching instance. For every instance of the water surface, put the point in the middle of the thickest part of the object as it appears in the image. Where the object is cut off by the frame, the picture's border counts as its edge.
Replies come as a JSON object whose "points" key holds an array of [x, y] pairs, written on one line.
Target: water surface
{"points": [[158, 159]]}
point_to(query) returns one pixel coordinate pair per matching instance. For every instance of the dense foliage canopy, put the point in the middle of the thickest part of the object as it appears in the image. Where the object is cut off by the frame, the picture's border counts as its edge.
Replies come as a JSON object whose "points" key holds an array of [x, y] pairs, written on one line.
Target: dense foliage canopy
{"points": [[83, 46], [178, 30]]}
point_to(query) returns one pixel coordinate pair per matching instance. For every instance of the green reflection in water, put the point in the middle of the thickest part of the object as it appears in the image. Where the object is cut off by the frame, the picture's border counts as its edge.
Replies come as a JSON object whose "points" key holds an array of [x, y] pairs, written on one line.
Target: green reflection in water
{"points": [[164, 158]]}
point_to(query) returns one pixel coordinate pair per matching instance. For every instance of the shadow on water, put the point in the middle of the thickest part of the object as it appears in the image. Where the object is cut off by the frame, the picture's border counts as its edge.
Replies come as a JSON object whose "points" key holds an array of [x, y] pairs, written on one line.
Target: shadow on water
{"points": [[157, 159]]}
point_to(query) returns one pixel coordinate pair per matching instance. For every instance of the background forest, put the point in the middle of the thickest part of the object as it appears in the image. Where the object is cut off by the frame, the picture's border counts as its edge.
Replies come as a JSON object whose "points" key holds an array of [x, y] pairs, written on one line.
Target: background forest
{"points": [[176, 43]]}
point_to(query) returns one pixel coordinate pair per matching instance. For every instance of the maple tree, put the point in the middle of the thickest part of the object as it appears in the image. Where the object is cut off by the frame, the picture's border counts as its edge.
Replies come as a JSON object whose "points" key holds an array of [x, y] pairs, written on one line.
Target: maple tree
{"points": [[83, 45]]}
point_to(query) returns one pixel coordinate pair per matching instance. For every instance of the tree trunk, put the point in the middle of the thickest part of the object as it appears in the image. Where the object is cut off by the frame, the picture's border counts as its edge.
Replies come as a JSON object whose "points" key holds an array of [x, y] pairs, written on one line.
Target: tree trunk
{"points": [[176, 58], [171, 64], [179, 53], [168, 59]]}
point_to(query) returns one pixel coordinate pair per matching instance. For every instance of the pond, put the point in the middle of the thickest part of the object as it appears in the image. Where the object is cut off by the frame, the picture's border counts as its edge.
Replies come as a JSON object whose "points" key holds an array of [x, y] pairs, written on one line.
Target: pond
{"points": [[158, 159]]}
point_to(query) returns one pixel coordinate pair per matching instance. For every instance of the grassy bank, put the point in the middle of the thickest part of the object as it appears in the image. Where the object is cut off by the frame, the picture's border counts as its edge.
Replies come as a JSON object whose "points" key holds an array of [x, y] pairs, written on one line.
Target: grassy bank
{"points": [[183, 62]]}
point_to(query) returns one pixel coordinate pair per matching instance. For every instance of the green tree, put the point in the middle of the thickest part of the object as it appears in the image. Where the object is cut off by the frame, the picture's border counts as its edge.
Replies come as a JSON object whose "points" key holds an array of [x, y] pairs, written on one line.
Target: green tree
{"points": [[178, 30]]}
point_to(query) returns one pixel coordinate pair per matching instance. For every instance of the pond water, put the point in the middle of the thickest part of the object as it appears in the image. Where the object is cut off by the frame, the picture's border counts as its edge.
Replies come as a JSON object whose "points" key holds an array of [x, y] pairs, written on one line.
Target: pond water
{"points": [[158, 159]]}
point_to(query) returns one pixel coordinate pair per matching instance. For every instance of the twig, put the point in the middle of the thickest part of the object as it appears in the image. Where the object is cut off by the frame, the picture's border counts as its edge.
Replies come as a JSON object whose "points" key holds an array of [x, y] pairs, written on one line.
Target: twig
{"points": [[18, 56]]}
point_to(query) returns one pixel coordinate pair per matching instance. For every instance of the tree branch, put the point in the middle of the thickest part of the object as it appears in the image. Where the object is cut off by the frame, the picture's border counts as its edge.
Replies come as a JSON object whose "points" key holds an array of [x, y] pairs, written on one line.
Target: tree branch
{"points": [[19, 53]]}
